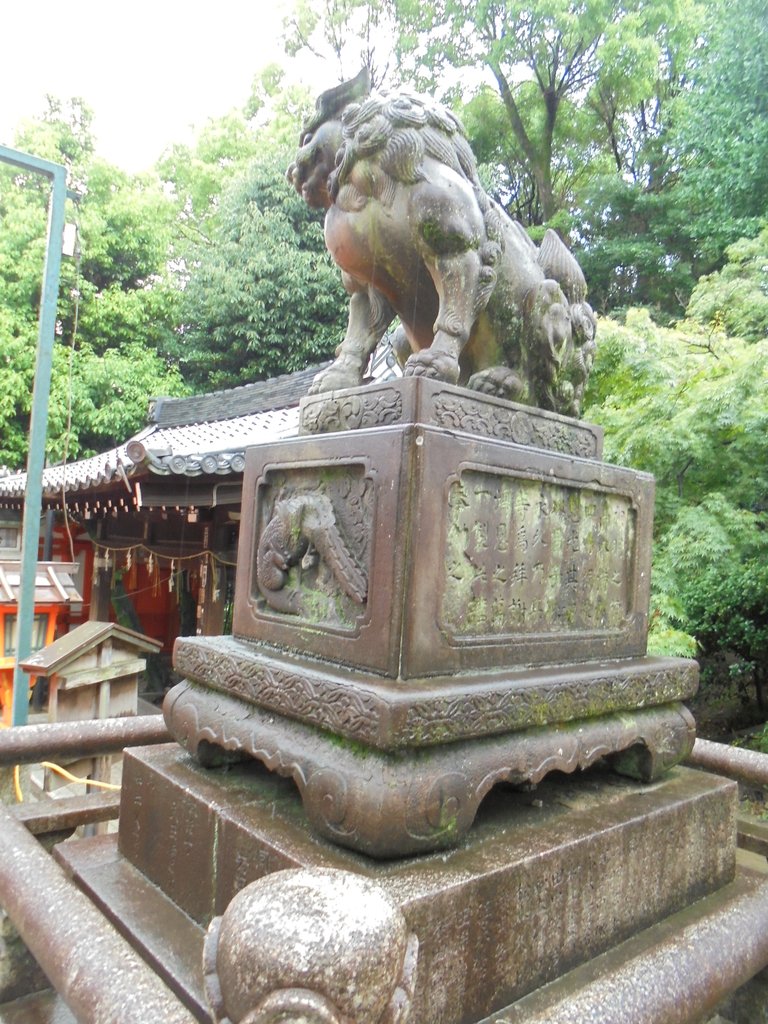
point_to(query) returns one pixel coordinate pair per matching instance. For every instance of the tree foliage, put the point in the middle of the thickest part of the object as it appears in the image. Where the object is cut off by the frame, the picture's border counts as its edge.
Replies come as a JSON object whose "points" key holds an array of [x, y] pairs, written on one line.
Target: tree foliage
{"points": [[348, 34], [117, 302], [578, 82], [689, 406], [263, 296], [721, 132], [736, 297]]}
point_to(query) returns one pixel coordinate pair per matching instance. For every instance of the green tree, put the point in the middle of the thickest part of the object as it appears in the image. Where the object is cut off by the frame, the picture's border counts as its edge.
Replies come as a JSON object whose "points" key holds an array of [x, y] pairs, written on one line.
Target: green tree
{"points": [[348, 34], [120, 287], [689, 406], [736, 297], [635, 247], [721, 134], [262, 296], [570, 76]]}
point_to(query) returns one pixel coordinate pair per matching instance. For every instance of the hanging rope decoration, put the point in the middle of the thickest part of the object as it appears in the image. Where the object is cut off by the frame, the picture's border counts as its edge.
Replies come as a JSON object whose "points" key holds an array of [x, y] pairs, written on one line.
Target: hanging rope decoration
{"points": [[152, 555], [206, 563]]}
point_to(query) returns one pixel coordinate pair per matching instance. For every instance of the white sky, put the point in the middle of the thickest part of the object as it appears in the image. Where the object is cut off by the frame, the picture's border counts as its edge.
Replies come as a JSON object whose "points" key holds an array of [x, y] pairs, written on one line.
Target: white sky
{"points": [[151, 70]]}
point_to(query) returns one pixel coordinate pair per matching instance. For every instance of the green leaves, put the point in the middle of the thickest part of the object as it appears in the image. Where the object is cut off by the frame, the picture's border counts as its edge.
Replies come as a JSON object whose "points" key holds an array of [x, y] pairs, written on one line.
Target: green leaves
{"points": [[736, 298], [107, 369], [721, 136], [689, 407], [263, 296]]}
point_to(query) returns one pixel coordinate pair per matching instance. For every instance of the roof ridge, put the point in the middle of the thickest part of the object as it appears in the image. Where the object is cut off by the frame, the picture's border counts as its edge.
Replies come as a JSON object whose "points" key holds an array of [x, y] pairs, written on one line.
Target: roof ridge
{"points": [[258, 396]]}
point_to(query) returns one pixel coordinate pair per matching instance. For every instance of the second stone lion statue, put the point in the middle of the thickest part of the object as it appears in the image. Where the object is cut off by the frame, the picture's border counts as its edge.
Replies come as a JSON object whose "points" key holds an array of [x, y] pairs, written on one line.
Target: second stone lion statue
{"points": [[417, 237]]}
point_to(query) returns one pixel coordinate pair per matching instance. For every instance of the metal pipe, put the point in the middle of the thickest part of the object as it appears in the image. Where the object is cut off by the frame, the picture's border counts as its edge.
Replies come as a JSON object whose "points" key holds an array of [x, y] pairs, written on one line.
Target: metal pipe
{"points": [[38, 427], [73, 740], [748, 766], [95, 971], [675, 973]]}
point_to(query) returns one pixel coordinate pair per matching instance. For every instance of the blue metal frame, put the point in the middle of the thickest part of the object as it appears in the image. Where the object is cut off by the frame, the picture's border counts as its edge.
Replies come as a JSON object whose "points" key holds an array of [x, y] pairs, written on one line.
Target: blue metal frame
{"points": [[38, 428]]}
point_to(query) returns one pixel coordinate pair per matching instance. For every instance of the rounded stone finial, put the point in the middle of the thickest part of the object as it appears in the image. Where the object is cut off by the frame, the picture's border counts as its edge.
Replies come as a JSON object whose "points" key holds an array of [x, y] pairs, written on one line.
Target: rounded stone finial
{"points": [[310, 947]]}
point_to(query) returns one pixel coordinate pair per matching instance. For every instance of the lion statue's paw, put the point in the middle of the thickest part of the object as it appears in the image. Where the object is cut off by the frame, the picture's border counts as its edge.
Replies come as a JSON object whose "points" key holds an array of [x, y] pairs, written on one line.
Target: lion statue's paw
{"points": [[334, 378], [499, 381], [433, 363]]}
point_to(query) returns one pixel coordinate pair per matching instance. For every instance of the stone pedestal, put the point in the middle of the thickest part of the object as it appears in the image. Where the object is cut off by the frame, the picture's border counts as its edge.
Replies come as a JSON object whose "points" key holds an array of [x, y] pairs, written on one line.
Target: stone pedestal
{"points": [[446, 592], [547, 880]]}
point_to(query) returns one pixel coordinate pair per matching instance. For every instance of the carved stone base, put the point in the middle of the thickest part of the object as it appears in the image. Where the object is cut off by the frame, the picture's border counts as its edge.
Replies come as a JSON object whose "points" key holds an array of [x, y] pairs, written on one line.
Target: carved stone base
{"points": [[444, 592], [390, 714], [405, 802]]}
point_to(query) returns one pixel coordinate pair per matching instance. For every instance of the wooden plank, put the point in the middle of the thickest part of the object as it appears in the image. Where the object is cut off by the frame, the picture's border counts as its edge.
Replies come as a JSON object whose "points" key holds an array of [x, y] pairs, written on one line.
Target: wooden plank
{"points": [[98, 674], [68, 812]]}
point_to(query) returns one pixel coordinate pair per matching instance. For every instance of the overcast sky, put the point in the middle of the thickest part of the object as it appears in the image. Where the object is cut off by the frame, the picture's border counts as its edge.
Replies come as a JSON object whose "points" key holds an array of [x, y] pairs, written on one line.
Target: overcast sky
{"points": [[149, 69]]}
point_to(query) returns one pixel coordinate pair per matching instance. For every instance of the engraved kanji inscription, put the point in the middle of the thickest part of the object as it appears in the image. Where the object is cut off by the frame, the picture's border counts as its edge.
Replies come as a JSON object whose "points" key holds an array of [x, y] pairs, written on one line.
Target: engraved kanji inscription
{"points": [[533, 556]]}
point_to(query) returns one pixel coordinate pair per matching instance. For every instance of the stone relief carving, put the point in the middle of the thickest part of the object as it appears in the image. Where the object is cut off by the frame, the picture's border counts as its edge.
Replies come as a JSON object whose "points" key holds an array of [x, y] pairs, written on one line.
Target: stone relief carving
{"points": [[452, 409], [313, 551], [297, 523], [513, 425], [416, 236], [443, 715], [352, 412]]}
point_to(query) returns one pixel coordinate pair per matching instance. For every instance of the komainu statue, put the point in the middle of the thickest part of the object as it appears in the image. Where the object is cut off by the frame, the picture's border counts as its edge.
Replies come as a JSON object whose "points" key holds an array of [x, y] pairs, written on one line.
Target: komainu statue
{"points": [[417, 237]]}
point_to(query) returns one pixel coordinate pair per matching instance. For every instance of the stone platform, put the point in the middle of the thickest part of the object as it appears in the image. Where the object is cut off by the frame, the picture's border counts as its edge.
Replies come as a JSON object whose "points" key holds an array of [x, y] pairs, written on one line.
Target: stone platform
{"points": [[548, 879]]}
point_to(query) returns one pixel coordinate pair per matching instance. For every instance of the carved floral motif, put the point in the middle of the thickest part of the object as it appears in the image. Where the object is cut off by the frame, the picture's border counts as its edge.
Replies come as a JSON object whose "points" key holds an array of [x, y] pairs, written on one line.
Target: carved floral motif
{"points": [[515, 425], [352, 412], [358, 712]]}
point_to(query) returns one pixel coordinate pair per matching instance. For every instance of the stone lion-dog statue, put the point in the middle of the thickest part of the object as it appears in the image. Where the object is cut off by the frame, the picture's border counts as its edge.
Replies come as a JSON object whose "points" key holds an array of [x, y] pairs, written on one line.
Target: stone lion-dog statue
{"points": [[417, 237]]}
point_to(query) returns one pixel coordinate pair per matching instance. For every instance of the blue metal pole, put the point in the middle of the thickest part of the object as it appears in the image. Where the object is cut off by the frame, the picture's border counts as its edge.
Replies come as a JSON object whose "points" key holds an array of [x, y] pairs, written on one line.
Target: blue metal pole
{"points": [[38, 428]]}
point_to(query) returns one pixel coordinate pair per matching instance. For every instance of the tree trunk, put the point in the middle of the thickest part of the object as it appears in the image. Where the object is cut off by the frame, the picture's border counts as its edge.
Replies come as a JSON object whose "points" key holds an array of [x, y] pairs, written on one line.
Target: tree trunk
{"points": [[539, 160]]}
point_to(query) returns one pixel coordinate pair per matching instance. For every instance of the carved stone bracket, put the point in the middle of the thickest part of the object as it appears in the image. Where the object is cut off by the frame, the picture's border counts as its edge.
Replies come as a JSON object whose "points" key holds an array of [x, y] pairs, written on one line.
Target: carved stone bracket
{"points": [[393, 804]]}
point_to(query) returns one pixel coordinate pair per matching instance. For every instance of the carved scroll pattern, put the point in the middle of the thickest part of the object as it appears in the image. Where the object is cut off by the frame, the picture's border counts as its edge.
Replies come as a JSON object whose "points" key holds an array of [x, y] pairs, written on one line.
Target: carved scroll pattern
{"points": [[338, 708], [523, 707], [230, 666], [514, 425], [352, 412]]}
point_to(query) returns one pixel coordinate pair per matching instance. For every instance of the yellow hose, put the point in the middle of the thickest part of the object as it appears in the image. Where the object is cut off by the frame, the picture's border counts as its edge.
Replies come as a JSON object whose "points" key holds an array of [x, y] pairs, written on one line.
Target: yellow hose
{"points": [[74, 778]]}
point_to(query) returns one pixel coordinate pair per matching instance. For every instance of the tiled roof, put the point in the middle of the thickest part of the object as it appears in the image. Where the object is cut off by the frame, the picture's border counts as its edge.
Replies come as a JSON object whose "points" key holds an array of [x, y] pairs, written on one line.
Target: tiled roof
{"points": [[204, 434], [263, 396], [201, 434], [216, 447]]}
